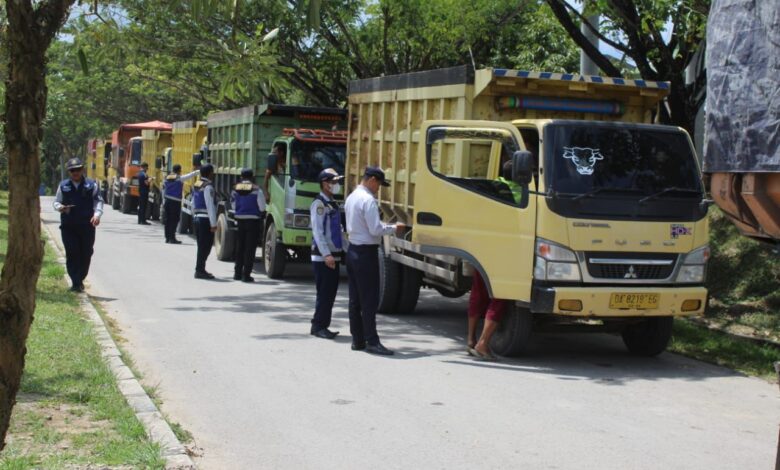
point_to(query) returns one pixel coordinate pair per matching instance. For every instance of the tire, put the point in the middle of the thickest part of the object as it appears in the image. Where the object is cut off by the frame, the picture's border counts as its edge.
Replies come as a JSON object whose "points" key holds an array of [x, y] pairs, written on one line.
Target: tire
{"points": [[125, 202], [449, 293], [114, 200], [185, 223], [274, 254], [155, 210], [513, 333], [224, 239], [648, 337], [389, 283], [409, 293]]}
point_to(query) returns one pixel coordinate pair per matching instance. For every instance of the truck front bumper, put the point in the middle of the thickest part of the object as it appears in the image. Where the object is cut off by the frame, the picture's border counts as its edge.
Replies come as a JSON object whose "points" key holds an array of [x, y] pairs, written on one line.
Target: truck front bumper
{"points": [[623, 301], [296, 237]]}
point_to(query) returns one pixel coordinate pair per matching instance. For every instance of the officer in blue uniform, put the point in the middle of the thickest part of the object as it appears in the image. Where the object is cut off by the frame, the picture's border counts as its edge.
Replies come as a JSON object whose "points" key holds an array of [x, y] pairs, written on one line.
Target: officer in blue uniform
{"points": [[204, 206], [80, 206], [365, 231], [327, 250], [143, 193], [248, 203], [172, 193]]}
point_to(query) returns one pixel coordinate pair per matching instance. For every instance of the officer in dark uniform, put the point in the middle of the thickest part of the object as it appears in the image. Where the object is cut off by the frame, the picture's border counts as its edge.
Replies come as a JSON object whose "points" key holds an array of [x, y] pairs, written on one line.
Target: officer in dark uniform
{"points": [[80, 206], [143, 193], [172, 193], [327, 250], [248, 203], [365, 231], [204, 207]]}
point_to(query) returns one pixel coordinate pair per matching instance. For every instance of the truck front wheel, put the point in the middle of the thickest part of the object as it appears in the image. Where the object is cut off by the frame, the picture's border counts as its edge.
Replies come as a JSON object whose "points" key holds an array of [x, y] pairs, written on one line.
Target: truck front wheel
{"points": [[411, 281], [185, 223], [389, 283], [648, 337], [114, 200], [513, 333], [125, 201], [274, 254], [224, 239]]}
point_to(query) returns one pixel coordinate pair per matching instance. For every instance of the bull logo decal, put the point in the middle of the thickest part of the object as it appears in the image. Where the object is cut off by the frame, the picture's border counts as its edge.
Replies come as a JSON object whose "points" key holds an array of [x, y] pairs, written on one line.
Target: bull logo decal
{"points": [[583, 157]]}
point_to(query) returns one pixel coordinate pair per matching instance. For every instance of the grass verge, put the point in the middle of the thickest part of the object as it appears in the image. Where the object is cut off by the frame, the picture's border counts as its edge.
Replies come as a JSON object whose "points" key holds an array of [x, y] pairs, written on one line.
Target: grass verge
{"points": [[70, 413]]}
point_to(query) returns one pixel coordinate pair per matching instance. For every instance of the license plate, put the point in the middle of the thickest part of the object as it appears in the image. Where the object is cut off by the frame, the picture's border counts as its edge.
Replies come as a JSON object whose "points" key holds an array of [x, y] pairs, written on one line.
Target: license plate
{"points": [[633, 301]]}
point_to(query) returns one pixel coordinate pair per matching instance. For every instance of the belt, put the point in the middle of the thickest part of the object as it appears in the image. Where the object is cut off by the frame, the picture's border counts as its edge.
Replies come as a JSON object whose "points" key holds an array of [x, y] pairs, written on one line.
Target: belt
{"points": [[363, 247]]}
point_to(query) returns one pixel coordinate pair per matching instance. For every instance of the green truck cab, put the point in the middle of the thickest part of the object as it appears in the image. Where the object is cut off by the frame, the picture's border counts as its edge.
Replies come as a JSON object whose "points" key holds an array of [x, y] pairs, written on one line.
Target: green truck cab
{"points": [[245, 138]]}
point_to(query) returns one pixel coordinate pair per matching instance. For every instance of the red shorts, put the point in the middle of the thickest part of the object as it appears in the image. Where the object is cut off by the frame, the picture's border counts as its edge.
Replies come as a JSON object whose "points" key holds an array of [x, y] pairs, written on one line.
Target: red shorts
{"points": [[480, 303]]}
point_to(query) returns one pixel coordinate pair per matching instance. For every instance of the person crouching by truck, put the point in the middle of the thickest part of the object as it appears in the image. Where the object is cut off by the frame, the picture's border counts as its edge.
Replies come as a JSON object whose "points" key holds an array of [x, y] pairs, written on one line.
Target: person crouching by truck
{"points": [[248, 203], [173, 188], [480, 303], [327, 251], [80, 206], [204, 205]]}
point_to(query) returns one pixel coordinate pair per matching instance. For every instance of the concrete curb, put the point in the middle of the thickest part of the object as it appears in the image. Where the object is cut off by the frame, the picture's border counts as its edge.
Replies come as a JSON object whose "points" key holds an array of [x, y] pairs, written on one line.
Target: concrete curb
{"points": [[145, 410]]}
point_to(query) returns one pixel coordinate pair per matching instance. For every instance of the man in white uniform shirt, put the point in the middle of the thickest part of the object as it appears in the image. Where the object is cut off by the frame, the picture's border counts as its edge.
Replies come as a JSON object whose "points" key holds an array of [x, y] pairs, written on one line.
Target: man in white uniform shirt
{"points": [[365, 231]]}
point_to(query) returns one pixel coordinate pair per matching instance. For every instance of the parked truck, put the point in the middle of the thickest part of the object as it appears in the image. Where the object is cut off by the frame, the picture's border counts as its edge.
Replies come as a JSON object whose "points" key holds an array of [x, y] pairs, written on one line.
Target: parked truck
{"points": [[126, 159], [189, 149], [742, 135], [243, 138], [97, 157], [155, 144], [610, 232]]}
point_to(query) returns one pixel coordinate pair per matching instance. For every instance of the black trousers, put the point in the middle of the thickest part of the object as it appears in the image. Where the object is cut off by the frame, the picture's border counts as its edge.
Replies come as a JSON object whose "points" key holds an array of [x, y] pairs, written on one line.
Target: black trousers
{"points": [[205, 238], [327, 281], [246, 245], [172, 216], [142, 201], [363, 271], [79, 241]]}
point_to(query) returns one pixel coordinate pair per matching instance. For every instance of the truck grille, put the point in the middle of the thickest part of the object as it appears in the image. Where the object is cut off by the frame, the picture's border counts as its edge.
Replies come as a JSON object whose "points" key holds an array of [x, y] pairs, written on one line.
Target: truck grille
{"points": [[630, 266]]}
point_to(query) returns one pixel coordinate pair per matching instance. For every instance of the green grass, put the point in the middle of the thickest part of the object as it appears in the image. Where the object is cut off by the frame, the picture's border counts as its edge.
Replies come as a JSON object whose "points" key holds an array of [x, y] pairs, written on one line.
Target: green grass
{"points": [[70, 411]]}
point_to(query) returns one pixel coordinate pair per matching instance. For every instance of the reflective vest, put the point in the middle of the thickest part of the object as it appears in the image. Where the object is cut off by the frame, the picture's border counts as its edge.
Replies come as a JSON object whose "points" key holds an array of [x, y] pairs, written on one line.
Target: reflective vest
{"points": [[517, 190], [83, 200], [244, 197], [331, 226], [173, 187], [199, 197]]}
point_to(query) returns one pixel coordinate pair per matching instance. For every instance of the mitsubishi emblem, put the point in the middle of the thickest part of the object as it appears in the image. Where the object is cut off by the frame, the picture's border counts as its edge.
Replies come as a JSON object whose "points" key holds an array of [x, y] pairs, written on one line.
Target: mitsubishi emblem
{"points": [[630, 274]]}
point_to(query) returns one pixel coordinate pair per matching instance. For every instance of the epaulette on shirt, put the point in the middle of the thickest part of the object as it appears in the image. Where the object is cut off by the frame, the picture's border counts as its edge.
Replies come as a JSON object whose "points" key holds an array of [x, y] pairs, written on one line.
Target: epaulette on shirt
{"points": [[244, 187]]}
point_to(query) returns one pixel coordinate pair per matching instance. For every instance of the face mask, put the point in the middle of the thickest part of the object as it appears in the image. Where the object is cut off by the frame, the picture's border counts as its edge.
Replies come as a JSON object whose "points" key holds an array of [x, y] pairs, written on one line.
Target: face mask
{"points": [[335, 188]]}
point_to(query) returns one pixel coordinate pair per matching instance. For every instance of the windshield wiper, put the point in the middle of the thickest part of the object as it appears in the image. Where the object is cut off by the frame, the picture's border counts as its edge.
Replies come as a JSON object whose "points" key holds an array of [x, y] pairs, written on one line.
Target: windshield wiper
{"points": [[595, 191], [669, 190]]}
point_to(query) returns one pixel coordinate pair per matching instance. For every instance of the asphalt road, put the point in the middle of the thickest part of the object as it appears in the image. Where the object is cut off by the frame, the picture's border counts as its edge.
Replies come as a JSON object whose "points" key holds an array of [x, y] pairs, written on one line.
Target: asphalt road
{"points": [[234, 364]]}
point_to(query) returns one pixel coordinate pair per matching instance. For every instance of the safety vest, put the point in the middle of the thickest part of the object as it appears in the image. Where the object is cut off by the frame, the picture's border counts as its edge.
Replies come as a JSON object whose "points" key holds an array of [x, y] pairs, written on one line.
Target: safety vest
{"points": [[331, 226], [173, 187], [82, 198], [199, 197], [244, 198], [517, 190]]}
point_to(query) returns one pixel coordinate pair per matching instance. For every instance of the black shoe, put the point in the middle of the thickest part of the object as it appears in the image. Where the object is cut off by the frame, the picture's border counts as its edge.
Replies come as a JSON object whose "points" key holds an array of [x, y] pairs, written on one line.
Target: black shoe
{"points": [[203, 275], [81, 287], [379, 350], [175, 242], [236, 277], [75, 289], [248, 279], [167, 241], [325, 334], [144, 223], [358, 346]]}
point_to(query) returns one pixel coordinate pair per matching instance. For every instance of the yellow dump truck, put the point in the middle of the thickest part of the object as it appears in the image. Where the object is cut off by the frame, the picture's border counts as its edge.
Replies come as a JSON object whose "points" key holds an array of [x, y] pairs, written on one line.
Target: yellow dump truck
{"points": [[189, 148], [97, 157], [155, 144], [605, 229]]}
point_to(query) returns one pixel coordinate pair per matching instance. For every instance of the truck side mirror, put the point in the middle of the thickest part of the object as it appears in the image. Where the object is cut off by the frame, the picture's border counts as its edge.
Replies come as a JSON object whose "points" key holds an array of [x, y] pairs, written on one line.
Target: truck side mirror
{"points": [[522, 167], [158, 163]]}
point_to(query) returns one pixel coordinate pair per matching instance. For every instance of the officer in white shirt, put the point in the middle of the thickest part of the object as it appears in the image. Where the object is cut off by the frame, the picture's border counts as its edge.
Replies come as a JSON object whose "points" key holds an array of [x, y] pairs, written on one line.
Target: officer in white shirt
{"points": [[365, 231]]}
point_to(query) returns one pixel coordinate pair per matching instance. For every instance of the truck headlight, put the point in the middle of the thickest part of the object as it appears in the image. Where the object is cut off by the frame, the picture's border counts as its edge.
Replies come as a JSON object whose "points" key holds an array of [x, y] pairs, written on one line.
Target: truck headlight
{"points": [[694, 265], [296, 221], [555, 262]]}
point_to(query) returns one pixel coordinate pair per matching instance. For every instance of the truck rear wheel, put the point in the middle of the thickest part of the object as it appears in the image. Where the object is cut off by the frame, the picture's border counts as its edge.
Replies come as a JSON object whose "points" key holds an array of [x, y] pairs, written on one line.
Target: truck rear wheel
{"points": [[274, 254], [125, 203], [513, 333], [224, 239], [389, 283], [648, 337], [114, 200], [409, 293]]}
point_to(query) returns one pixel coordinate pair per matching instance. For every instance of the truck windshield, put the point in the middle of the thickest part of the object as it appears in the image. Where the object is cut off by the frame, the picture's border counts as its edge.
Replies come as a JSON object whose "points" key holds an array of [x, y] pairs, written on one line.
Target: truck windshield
{"points": [[136, 151], [617, 160], [308, 159]]}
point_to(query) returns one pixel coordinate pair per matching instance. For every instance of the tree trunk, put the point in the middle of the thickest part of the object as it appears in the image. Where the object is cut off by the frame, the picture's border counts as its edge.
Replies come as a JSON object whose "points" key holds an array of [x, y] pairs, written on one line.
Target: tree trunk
{"points": [[29, 33]]}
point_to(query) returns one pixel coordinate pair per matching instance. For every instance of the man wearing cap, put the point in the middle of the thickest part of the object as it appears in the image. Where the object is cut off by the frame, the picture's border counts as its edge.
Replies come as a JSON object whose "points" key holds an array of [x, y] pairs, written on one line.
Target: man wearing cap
{"points": [[365, 233], [143, 193], [204, 208], [173, 188], [327, 250], [80, 206], [248, 207]]}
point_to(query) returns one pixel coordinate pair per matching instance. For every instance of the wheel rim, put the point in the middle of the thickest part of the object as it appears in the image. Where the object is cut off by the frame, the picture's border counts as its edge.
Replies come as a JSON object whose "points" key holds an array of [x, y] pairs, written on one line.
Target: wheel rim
{"points": [[269, 242]]}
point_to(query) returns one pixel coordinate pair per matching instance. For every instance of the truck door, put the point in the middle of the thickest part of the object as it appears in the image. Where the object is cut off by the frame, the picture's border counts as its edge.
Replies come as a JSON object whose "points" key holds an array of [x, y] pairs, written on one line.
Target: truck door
{"points": [[462, 209]]}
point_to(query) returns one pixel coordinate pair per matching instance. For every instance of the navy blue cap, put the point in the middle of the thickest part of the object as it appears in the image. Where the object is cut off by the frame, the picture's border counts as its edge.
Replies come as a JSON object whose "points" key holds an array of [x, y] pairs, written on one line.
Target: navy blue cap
{"points": [[377, 173], [207, 168], [74, 163], [247, 173], [328, 174]]}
